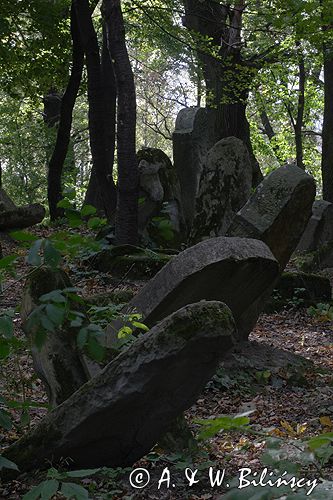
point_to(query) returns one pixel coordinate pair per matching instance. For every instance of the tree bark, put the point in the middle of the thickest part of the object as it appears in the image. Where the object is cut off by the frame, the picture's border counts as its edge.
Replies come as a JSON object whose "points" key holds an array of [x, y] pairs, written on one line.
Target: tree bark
{"points": [[300, 109], [327, 132], [93, 195], [96, 105], [227, 76], [128, 175], [54, 191]]}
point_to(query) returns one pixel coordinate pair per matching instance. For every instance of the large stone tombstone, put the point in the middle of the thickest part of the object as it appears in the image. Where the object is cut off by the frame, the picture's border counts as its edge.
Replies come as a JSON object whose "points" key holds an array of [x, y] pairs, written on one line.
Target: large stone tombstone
{"points": [[235, 271], [277, 213], [194, 135], [119, 415], [225, 187], [319, 230]]}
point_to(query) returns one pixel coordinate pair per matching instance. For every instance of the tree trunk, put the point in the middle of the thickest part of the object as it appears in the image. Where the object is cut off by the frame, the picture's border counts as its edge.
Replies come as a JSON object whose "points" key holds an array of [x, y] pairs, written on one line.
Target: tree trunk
{"points": [[93, 195], [54, 191], [327, 133], [228, 78], [300, 109], [96, 105], [128, 175]]}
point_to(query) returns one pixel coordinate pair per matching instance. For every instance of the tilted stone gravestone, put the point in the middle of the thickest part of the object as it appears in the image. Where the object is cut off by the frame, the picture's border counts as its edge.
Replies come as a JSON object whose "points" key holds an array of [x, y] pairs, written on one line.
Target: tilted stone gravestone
{"points": [[277, 213], [319, 230], [116, 418], [194, 135], [233, 270], [225, 187]]}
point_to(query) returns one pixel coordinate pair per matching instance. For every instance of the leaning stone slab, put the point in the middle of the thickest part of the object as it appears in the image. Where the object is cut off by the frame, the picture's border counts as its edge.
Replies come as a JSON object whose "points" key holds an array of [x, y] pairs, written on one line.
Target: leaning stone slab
{"points": [[278, 211], [225, 187], [195, 133], [118, 416], [233, 270], [319, 230]]}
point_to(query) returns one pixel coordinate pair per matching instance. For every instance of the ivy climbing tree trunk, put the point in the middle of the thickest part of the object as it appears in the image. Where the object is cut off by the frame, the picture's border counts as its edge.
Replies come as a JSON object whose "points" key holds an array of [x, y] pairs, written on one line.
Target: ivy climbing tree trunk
{"points": [[227, 75], [93, 195], [56, 163], [128, 175], [298, 126], [96, 105]]}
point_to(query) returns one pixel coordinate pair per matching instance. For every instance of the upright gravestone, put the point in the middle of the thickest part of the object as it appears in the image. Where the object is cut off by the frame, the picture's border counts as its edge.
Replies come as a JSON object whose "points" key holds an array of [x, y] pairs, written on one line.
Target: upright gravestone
{"points": [[319, 230], [194, 135], [225, 186], [277, 213], [159, 193]]}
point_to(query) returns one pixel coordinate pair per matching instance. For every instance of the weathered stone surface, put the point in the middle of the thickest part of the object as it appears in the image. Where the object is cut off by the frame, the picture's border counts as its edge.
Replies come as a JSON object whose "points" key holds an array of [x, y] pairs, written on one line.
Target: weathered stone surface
{"points": [[278, 211], [21, 217], [299, 289], [225, 187], [233, 270], [58, 363], [115, 418], [319, 230], [159, 190], [194, 135]]}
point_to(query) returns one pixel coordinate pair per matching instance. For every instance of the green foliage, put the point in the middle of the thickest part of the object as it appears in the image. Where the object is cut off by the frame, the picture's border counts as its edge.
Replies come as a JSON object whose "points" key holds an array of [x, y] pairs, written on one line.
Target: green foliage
{"points": [[322, 312]]}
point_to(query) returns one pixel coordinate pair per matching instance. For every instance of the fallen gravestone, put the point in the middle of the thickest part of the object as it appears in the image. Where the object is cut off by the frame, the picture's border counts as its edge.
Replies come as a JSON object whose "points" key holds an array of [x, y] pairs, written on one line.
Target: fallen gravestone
{"points": [[277, 213], [119, 415], [233, 270], [13, 217], [194, 135], [225, 187], [319, 230]]}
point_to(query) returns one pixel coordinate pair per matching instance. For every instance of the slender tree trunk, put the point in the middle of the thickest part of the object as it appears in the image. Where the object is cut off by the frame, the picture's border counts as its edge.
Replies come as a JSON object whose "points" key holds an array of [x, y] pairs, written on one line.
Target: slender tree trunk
{"points": [[54, 191], [300, 109], [327, 133], [93, 195], [96, 104], [128, 175]]}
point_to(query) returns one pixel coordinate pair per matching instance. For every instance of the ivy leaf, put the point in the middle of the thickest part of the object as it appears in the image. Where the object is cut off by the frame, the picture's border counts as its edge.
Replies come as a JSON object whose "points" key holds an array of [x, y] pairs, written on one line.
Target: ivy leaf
{"points": [[64, 204], [34, 258], [6, 327], [72, 490], [6, 262], [7, 464], [88, 210], [5, 421], [55, 313], [54, 296], [51, 255], [23, 236]]}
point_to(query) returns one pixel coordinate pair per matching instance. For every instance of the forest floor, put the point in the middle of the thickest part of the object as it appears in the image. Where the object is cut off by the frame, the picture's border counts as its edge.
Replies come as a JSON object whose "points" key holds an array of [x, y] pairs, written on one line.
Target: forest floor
{"points": [[284, 376]]}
